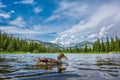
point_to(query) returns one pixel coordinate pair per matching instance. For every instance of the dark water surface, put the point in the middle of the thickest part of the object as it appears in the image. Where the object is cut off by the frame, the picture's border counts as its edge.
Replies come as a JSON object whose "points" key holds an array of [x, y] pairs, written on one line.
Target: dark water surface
{"points": [[80, 67]]}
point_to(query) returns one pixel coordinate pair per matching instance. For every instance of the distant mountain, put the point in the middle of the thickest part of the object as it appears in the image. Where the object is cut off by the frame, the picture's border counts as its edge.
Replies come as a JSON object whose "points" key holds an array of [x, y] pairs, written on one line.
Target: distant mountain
{"points": [[80, 44], [58, 45], [46, 44], [49, 44]]}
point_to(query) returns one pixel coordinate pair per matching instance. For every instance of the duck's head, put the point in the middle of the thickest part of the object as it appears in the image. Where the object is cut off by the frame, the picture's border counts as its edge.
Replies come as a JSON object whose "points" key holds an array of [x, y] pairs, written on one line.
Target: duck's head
{"points": [[62, 56]]}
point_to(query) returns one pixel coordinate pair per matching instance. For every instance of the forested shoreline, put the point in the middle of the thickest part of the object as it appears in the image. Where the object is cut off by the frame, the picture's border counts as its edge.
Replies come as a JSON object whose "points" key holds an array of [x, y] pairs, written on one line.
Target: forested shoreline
{"points": [[12, 44]]}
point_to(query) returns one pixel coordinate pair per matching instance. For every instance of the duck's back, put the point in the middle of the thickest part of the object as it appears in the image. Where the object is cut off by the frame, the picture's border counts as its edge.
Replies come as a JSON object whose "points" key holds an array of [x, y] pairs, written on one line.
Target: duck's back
{"points": [[47, 60]]}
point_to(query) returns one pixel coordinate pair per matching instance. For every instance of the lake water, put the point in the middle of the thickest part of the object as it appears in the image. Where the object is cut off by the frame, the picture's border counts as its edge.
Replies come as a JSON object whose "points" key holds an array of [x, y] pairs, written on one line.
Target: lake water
{"points": [[77, 67]]}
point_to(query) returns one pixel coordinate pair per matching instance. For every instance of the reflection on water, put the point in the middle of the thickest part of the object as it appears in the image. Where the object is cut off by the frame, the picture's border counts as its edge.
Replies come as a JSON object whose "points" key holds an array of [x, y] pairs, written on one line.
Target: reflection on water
{"points": [[60, 67], [80, 67]]}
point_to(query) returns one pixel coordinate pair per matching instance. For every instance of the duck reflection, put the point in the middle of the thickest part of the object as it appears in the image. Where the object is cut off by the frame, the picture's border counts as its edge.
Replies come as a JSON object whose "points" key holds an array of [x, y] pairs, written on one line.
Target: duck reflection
{"points": [[60, 67]]}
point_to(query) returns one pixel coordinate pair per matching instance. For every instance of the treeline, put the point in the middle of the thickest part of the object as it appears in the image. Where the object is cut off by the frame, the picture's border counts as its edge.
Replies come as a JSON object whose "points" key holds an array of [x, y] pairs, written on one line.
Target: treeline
{"points": [[11, 44], [109, 45], [112, 45]]}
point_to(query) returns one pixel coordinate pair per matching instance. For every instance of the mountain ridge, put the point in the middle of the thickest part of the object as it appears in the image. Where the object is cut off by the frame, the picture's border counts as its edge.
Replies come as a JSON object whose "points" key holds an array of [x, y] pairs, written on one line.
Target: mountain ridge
{"points": [[58, 45]]}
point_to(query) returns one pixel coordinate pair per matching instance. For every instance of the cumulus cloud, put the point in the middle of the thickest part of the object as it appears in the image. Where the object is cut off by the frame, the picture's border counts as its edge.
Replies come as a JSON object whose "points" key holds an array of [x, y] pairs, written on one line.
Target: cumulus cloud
{"points": [[5, 15], [2, 5], [103, 16], [12, 11], [25, 2], [19, 21], [37, 10], [104, 31]]}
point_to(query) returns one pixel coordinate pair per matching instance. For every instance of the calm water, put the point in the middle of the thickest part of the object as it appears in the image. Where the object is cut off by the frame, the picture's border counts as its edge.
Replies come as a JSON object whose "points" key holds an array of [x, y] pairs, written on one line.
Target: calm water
{"points": [[77, 67]]}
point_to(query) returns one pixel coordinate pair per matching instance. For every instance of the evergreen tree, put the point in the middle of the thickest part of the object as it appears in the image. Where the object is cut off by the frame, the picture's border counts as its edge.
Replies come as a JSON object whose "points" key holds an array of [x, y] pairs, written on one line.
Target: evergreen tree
{"points": [[97, 46], [86, 48], [112, 45], [107, 46], [117, 44], [11, 46], [102, 46]]}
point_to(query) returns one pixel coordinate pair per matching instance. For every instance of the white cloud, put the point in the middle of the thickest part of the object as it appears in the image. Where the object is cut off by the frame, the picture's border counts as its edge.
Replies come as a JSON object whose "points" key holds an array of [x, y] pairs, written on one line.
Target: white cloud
{"points": [[27, 1], [104, 31], [43, 28], [92, 36], [5, 15], [102, 16], [12, 11], [53, 17], [15, 30], [1, 5], [37, 10], [35, 30], [18, 22], [74, 9], [69, 10]]}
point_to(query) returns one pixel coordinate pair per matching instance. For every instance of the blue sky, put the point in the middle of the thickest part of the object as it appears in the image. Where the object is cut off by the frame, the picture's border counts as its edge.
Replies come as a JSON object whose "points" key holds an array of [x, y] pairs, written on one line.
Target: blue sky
{"points": [[61, 21]]}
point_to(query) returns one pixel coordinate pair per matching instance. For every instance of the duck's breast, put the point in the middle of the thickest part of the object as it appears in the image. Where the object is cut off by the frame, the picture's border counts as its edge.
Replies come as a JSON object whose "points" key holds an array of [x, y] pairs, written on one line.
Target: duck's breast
{"points": [[41, 64]]}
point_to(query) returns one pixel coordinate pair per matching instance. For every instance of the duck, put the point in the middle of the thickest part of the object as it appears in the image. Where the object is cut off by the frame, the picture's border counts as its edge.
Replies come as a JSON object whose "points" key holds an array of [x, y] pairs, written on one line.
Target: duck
{"points": [[50, 61]]}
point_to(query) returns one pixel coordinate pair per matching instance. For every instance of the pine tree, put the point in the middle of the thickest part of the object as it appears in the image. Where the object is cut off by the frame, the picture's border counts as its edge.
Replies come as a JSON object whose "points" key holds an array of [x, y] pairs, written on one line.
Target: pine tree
{"points": [[85, 48], [117, 44], [112, 45], [102, 46], [77, 50], [10, 47], [97, 46], [107, 49]]}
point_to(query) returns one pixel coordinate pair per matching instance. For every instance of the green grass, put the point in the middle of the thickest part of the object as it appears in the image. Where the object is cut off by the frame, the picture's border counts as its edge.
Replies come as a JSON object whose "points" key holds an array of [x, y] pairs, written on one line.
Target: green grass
{"points": [[20, 52], [13, 52]]}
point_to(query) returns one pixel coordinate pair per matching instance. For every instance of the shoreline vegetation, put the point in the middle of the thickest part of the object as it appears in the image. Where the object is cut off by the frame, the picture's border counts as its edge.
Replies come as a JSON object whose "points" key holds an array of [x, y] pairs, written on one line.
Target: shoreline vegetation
{"points": [[59, 52], [10, 44]]}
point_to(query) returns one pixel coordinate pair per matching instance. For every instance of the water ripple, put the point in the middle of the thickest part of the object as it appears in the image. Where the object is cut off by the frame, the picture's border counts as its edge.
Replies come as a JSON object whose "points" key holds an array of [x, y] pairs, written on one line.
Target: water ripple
{"points": [[80, 67]]}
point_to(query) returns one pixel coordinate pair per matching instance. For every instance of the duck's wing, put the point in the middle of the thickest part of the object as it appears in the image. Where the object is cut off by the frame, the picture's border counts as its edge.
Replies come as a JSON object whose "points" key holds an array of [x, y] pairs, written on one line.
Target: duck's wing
{"points": [[43, 59], [52, 60], [47, 60]]}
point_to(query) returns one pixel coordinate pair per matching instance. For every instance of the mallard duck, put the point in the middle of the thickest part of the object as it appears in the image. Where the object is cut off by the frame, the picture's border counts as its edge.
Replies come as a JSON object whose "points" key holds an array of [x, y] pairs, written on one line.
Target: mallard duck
{"points": [[50, 61]]}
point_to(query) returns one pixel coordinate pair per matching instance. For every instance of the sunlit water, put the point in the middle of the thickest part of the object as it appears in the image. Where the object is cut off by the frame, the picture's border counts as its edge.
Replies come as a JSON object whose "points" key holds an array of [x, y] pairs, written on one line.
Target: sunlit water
{"points": [[79, 67]]}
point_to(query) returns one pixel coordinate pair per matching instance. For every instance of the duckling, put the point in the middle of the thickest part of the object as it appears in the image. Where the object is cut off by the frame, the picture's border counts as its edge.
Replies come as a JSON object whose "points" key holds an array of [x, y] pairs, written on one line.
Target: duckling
{"points": [[50, 61]]}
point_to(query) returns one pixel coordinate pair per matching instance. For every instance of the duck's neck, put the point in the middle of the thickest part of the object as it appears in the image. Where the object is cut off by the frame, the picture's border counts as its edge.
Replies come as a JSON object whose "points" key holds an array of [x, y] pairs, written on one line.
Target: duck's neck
{"points": [[59, 59]]}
